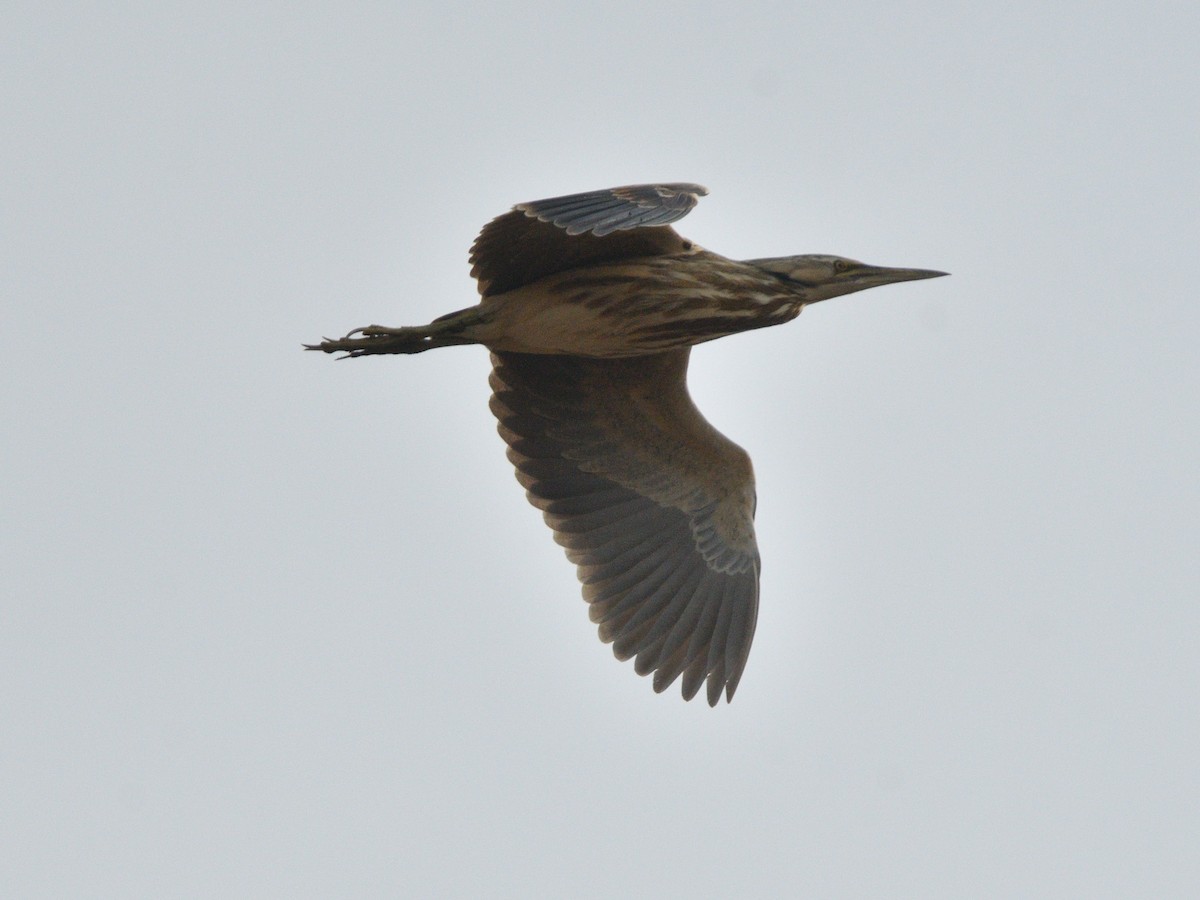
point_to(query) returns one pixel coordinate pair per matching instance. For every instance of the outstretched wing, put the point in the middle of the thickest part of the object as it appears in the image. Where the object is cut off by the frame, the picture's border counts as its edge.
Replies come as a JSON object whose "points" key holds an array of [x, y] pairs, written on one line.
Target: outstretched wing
{"points": [[542, 237], [651, 502]]}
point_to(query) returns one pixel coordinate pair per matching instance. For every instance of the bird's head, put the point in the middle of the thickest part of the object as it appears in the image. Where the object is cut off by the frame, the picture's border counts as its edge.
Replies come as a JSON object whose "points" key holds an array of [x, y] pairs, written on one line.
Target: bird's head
{"points": [[819, 276]]}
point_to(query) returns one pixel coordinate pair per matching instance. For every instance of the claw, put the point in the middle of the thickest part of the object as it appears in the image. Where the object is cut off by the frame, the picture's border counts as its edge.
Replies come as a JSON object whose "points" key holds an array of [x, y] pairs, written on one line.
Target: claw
{"points": [[378, 331]]}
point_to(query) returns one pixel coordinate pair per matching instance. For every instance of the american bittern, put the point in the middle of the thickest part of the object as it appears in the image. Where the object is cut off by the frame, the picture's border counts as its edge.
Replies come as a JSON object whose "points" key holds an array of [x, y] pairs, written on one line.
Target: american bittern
{"points": [[590, 306]]}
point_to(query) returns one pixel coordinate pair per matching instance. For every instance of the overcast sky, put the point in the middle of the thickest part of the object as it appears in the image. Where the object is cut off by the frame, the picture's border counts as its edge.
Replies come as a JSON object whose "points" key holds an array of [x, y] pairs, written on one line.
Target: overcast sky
{"points": [[279, 626]]}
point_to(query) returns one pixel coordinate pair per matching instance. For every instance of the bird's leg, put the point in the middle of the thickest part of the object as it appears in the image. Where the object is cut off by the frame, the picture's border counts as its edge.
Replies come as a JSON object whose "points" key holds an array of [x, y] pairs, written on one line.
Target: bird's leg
{"points": [[446, 331], [375, 339]]}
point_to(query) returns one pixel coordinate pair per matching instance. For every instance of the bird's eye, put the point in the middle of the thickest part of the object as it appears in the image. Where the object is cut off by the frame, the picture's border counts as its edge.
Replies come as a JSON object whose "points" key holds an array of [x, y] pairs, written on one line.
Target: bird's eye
{"points": [[841, 265]]}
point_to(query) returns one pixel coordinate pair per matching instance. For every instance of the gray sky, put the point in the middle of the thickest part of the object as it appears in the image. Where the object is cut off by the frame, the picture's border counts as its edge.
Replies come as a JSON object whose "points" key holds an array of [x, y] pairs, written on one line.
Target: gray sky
{"points": [[276, 626]]}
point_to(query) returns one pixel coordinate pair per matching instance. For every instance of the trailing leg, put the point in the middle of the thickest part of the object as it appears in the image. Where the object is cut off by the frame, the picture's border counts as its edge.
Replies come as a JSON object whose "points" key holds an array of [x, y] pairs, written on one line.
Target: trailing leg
{"points": [[446, 331]]}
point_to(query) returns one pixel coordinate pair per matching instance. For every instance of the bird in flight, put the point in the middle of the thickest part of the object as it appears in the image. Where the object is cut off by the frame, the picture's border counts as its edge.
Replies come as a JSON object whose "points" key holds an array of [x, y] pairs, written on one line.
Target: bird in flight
{"points": [[590, 305]]}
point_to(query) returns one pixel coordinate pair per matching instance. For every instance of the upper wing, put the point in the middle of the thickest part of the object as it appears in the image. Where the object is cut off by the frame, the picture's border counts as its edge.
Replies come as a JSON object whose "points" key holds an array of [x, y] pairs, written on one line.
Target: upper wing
{"points": [[652, 504], [546, 236]]}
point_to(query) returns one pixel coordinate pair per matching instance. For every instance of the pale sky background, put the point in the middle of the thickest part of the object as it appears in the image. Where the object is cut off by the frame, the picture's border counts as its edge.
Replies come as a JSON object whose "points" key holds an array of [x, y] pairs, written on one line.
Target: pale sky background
{"points": [[275, 626]]}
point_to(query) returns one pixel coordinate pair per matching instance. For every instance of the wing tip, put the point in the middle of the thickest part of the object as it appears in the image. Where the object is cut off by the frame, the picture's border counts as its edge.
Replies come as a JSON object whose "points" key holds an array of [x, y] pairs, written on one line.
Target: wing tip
{"points": [[601, 212]]}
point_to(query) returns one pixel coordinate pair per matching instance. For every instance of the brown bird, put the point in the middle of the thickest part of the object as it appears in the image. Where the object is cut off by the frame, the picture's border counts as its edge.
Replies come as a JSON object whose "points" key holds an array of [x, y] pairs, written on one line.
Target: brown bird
{"points": [[590, 306]]}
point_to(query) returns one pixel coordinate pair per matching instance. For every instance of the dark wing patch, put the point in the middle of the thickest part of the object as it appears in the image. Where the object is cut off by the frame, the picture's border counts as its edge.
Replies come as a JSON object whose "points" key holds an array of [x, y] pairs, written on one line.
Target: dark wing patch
{"points": [[652, 504], [543, 237]]}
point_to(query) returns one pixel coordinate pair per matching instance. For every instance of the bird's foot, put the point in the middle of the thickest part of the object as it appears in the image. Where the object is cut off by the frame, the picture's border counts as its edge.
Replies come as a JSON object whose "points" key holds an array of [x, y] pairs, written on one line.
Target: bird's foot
{"points": [[374, 339]]}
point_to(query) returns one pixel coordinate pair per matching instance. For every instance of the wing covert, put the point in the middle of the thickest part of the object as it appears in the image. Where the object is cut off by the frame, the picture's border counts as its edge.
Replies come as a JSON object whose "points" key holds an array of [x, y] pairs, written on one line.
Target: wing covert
{"points": [[542, 237]]}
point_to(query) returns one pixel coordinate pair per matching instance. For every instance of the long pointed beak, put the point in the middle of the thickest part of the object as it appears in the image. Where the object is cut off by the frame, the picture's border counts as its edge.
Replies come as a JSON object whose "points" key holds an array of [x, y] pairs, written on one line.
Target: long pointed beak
{"points": [[862, 277], [874, 276]]}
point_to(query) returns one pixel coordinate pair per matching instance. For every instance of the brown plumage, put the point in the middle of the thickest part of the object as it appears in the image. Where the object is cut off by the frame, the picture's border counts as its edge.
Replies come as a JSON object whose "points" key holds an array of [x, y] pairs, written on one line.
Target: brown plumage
{"points": [[590, 305]]}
